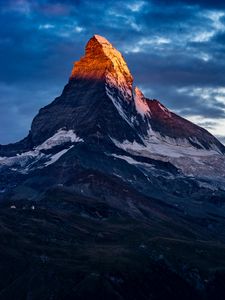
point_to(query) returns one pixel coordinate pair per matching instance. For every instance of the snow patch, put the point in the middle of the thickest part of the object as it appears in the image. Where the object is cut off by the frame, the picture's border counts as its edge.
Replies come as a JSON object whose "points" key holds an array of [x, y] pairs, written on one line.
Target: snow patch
{"points": [[62, 136], [174, 147], [56, 156], [164, 146], [199, 163], [27, 161], [128, 159]]}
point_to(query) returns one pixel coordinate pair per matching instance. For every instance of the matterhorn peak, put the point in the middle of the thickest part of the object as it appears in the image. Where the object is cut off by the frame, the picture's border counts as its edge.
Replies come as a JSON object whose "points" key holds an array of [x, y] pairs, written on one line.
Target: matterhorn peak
{"points": [[102, 40], [99, 101], [102, 62]]}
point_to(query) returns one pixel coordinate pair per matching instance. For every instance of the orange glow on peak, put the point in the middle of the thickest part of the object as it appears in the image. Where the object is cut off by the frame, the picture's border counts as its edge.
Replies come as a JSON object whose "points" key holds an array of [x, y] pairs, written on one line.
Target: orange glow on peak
{"points": [[100, 60]]}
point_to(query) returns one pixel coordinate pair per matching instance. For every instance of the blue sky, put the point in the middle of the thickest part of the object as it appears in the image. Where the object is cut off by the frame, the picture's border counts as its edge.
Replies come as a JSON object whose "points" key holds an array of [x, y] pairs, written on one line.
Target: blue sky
{"points": [[174, 49]]}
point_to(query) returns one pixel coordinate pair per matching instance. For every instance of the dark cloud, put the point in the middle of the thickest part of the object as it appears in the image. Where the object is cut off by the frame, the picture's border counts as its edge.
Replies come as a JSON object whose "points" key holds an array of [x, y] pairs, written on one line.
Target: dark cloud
{"points": [[216, 4], [174, 49]]}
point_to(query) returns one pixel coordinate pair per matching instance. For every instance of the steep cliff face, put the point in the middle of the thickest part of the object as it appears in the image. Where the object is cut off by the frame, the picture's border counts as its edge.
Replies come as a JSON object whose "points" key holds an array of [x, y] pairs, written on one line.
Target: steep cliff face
{"points": [[99, 90]]}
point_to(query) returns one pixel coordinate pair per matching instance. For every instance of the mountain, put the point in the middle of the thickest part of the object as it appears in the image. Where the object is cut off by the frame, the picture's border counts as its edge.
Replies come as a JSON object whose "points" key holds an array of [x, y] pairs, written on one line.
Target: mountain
{"points": [[111, 195], [100, 103]]}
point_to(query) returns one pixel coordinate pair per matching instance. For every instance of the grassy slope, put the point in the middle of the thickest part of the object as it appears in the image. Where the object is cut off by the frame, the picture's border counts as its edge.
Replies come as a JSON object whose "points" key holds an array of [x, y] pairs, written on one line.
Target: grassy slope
{"points": [[74, 251]]}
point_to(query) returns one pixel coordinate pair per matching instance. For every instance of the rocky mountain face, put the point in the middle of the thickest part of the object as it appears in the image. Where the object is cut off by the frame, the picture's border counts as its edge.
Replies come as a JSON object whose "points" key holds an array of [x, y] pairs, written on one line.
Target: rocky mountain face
{"points": [[85, 104], [128, 182]]}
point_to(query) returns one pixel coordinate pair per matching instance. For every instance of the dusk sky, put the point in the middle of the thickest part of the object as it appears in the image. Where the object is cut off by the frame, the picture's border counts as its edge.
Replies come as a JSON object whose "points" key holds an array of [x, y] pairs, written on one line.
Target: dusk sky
{"points": [[174, 49]]}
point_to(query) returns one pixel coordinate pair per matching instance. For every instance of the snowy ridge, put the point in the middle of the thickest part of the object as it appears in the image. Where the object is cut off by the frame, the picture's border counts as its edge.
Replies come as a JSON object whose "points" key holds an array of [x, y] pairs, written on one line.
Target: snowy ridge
{"points": [[156, 144], [141, 103], [176, 147], [193, 162], [118, 81], [118, 104], [27, 161]]}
